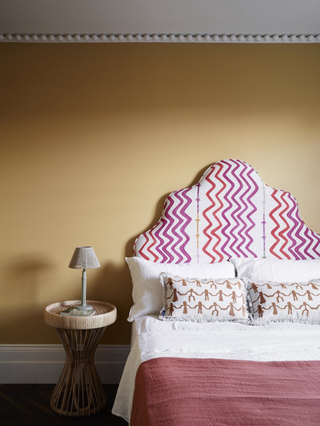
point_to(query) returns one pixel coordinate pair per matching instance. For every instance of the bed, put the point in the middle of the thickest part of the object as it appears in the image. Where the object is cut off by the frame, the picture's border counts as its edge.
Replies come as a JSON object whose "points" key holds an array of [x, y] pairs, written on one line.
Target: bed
{"points": [[226, 313]]}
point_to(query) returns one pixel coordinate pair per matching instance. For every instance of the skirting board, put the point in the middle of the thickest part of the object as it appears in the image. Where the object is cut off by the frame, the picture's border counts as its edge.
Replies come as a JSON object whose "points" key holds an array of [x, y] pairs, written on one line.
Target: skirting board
{"points": [[44, 363]]}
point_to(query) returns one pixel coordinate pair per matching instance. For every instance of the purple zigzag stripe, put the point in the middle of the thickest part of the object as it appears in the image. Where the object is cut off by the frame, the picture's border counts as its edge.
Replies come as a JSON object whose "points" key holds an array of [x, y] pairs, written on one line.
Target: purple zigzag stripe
{"points": [[243, 210], [223, 212], [188, 220], [306, 250], [295, 226], [298, 234], [254, 209], [233, 214], [285, 207], [317, 242], [179, 223], [162, 223], [169, 225], [204, 213], [276, 228], [198, 218]]}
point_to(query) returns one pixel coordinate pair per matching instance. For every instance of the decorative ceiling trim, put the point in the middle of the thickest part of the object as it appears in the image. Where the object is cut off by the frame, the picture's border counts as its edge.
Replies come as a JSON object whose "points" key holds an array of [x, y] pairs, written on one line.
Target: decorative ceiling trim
{"points": [[160, 38]]}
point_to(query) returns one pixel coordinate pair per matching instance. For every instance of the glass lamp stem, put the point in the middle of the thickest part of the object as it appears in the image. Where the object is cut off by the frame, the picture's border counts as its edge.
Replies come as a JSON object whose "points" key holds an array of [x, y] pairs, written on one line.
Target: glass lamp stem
{"points": [[84, 288]]}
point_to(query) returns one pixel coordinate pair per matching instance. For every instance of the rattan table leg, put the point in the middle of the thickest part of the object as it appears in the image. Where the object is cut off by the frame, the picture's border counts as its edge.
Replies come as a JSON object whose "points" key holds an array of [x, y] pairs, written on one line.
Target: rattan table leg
{"points": [[79, 391]]}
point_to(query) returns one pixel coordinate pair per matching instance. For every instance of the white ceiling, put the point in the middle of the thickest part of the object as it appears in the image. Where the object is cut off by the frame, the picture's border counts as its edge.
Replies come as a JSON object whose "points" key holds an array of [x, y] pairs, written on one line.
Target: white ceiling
{"points": [[114, 17]]}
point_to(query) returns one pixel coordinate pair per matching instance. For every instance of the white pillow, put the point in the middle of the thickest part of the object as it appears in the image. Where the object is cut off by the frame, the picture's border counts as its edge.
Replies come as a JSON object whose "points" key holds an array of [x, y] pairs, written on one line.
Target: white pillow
{"points": [[283, 301], [198, 300], [147, 293], [277, 270]]}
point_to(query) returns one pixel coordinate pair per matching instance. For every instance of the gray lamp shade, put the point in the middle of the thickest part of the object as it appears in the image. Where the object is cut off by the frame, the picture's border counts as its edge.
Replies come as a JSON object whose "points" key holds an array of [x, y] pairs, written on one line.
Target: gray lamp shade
{"points": [[84, 258]]}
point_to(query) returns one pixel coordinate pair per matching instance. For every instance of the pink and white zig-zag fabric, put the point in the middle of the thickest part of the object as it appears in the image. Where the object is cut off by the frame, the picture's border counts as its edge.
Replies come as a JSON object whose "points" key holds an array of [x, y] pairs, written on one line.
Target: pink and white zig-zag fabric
{"points": [[229, 213]]}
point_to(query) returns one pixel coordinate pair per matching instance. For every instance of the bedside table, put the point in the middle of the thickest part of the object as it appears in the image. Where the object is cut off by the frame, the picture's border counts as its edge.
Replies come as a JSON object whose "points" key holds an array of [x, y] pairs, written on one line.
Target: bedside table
{"points": [[79, 391]]}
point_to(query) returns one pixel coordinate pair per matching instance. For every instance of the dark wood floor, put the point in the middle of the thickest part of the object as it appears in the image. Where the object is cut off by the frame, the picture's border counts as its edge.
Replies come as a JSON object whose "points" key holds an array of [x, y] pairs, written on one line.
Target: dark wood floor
{"points": [[28, 405]]}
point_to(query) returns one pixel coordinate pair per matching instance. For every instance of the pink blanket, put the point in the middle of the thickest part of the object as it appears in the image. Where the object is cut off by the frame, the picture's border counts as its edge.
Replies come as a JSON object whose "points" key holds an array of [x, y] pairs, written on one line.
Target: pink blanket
{"points": [[203, 392]]}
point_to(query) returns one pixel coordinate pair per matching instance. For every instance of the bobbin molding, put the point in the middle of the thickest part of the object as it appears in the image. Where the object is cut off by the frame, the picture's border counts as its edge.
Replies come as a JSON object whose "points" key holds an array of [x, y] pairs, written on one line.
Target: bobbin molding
{"points": [[160, 38]]}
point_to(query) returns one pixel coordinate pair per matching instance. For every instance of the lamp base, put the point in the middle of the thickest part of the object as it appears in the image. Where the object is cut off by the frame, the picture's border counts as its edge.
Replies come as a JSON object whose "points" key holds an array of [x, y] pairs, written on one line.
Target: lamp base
{"points": [[79, 311], [85, 307]]}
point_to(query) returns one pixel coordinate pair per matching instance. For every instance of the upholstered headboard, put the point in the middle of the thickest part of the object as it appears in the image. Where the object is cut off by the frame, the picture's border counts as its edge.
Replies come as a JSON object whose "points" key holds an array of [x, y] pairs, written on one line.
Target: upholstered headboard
{"points": [[229, 213]]}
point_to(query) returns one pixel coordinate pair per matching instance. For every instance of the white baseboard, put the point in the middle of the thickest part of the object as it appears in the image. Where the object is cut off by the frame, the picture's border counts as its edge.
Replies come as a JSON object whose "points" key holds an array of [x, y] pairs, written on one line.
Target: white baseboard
{"points": [[44, 363]]}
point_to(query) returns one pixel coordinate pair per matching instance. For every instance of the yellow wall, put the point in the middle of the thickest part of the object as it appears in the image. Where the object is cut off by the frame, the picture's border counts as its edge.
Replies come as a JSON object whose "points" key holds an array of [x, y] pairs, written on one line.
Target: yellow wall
{"points": [[94, 136]]}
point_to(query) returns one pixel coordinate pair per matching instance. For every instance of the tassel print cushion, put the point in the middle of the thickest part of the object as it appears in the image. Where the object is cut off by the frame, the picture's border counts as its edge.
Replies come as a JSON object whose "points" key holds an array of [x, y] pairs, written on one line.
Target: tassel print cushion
{"points": [[187, 299], [297, 302]]}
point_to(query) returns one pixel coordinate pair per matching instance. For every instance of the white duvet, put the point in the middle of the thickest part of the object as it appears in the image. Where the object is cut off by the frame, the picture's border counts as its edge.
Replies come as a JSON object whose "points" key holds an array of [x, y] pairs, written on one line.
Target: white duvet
{"points": [[152, 338]]}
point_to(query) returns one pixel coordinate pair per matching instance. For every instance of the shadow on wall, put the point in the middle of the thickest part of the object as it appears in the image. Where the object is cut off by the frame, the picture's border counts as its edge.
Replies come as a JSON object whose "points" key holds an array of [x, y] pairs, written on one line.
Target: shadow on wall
{"points": [[28, 277], [113, 282], [29, 325]]}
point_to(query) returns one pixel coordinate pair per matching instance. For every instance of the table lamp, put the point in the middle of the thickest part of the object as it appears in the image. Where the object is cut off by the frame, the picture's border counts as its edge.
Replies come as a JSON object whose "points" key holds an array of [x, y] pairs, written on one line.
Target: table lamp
{"points": [[84, 258]]}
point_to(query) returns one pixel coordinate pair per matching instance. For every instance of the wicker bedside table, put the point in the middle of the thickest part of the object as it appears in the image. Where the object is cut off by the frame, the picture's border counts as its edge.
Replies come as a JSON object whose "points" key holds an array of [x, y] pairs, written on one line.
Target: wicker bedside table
{"points": [[79, 391]]}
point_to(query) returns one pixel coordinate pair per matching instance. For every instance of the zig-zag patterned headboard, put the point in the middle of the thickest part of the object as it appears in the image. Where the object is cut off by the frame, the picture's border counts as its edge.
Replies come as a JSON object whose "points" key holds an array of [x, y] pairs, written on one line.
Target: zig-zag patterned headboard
{"points": [[230, 212]]}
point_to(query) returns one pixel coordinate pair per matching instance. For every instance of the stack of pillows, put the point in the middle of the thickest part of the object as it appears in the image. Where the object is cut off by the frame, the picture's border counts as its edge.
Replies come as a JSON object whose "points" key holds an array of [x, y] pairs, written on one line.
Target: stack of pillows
{"points": [[253, 291]]}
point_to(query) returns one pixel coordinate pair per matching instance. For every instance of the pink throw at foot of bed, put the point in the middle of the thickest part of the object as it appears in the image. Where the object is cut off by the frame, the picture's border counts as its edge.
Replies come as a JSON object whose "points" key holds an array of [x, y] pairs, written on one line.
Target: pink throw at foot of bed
{"points": [[217, 392]]}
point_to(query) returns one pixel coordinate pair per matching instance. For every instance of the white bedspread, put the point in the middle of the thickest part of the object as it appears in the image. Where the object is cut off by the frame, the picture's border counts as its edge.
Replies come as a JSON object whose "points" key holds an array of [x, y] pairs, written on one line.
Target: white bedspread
{"points": [[224, 340]]}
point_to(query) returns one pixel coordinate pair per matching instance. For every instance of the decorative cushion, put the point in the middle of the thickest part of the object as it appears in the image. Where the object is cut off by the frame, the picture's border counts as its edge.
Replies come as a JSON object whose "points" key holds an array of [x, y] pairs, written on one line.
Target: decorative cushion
{"points": [[277, 270], [147, 291], [192, 299], [297, 302]]}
